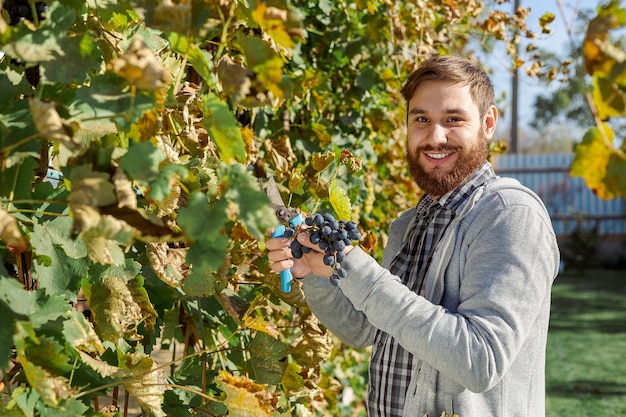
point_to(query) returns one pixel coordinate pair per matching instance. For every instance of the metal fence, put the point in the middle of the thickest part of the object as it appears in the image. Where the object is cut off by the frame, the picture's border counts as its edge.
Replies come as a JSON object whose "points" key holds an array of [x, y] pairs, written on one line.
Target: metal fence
{"points": [[570, 202]]}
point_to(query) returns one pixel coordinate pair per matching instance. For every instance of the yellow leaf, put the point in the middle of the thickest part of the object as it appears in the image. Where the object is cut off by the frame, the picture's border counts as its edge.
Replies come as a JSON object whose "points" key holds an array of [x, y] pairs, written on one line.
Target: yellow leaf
{"points": [[141, 67], [244, 398], [260, 324], [51, 126], [272, 20], [10, 233], [591, 161], [147, 384], [340, 201]]}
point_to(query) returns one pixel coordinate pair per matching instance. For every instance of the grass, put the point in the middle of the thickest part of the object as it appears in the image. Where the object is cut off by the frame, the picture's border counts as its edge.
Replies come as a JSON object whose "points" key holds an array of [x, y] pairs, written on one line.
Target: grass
{"points": [[586, 354]]}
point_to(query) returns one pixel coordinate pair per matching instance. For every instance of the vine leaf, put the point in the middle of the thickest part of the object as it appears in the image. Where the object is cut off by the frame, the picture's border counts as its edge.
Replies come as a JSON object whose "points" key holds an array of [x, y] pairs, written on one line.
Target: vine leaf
{"points": [[603, 170], [141, 67], [244, 398], [599, 54], [272, 20], [50, 125], [52, 389], [142, 161], [292, 381], [80, 333], [147, 383], [116, 313], [61, 261], [15, 304], [340, 201], [608, 96], [198, 58], [140, 296], [42, 45], [10, 233], [210, 243], [251, 204], [268, 357], [224, 128]]}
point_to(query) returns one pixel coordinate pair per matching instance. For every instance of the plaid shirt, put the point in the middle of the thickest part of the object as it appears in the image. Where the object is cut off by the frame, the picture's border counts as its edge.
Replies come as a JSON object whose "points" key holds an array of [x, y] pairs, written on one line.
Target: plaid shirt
{"points": [[391, 366]]}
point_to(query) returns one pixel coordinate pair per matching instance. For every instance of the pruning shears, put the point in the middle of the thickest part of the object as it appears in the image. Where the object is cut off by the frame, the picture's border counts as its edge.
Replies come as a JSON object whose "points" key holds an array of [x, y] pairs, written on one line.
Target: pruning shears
{"points": [[287, 217]]}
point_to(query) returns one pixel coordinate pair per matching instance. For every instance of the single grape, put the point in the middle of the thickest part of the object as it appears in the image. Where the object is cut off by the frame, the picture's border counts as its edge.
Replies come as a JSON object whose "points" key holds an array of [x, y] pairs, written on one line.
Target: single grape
{"points": [[296, 249], [341, 257], [335, 280], [329, 259], [341, 272], [339, 245], [315, 237], [289, 232], [354, 235]]}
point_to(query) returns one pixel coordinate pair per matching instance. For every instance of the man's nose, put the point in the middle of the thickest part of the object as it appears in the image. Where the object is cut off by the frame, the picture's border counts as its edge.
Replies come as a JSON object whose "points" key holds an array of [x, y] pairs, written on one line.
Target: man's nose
{"points": [[439, 135]]}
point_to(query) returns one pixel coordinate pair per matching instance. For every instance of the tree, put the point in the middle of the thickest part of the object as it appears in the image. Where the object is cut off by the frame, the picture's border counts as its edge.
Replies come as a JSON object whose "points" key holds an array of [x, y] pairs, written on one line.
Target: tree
{"points": [[133, 135]]}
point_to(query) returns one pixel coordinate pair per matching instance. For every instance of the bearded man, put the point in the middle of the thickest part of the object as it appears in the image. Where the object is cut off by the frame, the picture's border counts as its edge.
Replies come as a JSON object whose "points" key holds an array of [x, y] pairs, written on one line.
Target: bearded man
{"points": [[457, 314]]}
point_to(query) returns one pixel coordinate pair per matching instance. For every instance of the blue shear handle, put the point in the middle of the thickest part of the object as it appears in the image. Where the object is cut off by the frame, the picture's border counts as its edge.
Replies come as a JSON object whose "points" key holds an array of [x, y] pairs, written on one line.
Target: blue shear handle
{"points": [[286, 276]]}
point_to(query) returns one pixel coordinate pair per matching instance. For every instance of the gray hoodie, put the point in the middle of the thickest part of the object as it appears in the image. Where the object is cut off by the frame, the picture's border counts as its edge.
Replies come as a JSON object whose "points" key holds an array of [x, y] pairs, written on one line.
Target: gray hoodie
{"points": [[479, 335]]}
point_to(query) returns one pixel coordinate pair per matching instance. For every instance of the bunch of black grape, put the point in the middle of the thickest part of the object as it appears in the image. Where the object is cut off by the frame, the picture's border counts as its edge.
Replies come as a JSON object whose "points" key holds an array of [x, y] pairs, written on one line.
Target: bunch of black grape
{"points": [[19, 10], [332, 236]]}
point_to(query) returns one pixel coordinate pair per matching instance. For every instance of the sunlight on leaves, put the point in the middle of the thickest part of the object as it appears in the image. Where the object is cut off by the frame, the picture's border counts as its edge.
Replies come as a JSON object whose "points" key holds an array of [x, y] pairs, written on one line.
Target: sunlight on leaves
{"points": [[340, 201]]}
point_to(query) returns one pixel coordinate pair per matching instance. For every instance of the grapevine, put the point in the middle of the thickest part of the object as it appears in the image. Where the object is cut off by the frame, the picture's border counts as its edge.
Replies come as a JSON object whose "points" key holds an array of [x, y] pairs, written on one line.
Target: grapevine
{"points": [[331, 236]]}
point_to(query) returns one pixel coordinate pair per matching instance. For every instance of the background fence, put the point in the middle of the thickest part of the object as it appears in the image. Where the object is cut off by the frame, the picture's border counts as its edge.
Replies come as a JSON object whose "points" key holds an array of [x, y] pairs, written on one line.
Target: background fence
{"points": [[567, 198]]}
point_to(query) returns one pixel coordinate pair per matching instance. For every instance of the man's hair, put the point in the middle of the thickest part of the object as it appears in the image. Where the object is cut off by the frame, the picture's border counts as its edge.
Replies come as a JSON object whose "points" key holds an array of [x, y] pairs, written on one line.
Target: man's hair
{"points": [[454, 69]]}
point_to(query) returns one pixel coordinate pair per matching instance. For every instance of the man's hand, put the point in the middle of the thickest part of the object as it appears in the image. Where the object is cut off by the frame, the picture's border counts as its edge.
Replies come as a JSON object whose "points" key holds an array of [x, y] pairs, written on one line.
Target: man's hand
{"points": [[312, 262]]}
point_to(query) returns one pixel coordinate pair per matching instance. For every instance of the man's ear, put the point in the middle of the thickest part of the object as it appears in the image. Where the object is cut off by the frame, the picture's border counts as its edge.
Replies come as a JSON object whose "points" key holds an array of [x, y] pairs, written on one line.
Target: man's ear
{"points": [[490, 121]]}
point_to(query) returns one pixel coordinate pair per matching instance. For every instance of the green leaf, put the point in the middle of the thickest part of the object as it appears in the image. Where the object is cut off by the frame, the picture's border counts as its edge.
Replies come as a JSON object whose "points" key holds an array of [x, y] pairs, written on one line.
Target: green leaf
{"points": [[224, 128], [60, 261], [80, 334], [199, 59], [80, 56], [204, 226], [268, 358], [26, 399], [161, 186], [15, 304], [51, 388], [48, 354], [142, 161], [43, 44], [292, 381], [71, 407], [251, 203], [140, 296], [106, 98]]}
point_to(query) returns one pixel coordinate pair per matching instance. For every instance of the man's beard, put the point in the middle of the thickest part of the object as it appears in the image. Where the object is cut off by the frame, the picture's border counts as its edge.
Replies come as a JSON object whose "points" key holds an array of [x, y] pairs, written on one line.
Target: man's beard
{"points": [[437, 182]]}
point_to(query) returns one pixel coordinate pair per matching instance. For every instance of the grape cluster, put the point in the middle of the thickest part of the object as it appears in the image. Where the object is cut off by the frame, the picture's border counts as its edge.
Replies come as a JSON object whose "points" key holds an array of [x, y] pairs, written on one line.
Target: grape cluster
{"points": [[19, 10], [332, 236]]}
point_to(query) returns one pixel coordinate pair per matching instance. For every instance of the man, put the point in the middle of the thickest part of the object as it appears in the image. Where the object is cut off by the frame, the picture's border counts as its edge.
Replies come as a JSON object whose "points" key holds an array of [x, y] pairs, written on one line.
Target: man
{"points": [[458, 312]]}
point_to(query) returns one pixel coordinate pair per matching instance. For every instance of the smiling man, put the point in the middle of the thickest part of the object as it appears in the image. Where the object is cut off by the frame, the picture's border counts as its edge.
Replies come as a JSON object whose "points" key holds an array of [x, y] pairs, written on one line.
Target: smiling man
{"points": [[457, 314]]}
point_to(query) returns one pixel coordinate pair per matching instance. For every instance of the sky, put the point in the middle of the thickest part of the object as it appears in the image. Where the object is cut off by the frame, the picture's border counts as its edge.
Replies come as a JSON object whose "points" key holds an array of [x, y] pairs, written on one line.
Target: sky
{"points": [[557, 42]]}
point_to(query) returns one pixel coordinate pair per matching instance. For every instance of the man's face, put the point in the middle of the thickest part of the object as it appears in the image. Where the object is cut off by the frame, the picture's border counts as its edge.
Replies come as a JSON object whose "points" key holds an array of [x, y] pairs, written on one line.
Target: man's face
{"points": [[447, 140]]}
